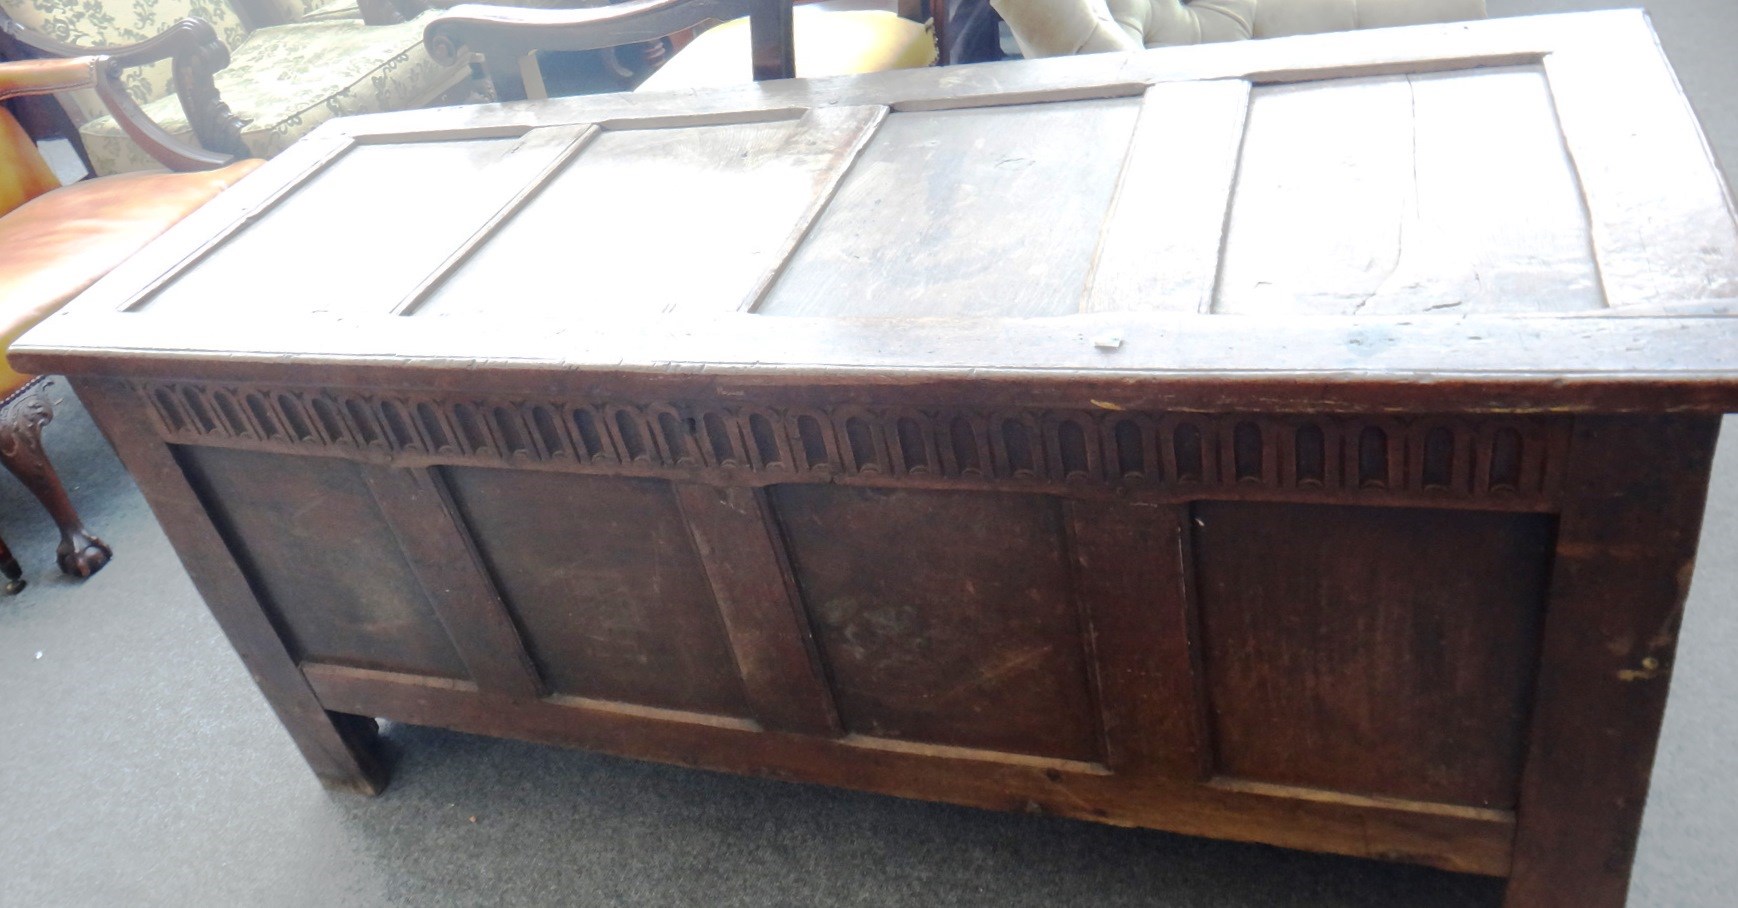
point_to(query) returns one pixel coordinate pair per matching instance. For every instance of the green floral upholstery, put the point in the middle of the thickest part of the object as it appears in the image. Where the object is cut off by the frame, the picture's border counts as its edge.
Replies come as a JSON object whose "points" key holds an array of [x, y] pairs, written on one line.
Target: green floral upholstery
{"points": [[340, 67], [298, 10], [283, 80], [107, 23]]}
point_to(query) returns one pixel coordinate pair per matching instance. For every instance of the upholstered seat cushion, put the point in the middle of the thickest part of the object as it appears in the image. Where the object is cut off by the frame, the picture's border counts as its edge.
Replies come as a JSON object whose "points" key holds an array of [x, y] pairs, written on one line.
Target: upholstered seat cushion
{"points": [[829, 43], [59, 243], [24, 175], [339, 66]]}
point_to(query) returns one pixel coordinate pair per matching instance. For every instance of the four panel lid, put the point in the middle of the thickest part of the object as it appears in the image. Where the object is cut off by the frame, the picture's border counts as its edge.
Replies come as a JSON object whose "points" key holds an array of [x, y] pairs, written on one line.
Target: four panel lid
{"points": [[1518, 212]]}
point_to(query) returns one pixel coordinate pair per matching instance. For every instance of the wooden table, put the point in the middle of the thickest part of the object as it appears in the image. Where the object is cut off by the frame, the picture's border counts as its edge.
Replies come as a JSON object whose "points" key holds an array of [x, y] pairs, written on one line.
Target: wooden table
{"points": [[1300, 442]]}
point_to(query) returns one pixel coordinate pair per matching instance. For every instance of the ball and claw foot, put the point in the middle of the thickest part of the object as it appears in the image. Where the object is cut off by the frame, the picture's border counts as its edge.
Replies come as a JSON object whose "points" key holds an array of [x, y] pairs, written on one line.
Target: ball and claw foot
{"points": [[81, 554], [22, 417], [13, 573]]}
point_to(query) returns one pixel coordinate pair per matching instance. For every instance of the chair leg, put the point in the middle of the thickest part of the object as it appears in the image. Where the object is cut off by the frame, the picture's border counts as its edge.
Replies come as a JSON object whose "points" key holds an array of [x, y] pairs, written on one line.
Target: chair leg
{"points": [[9, 567], [22, 417]]}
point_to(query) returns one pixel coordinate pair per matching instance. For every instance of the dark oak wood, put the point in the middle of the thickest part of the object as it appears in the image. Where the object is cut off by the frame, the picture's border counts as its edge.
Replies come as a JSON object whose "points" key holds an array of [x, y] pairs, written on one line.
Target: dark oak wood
{"points": [[1321, 468], [761, 606], [1356, 649], [604, 580], [340, 748], [278, 516], [945, 616], [419, 508], [1465, 840], [1626, 547], [1133, 574]]}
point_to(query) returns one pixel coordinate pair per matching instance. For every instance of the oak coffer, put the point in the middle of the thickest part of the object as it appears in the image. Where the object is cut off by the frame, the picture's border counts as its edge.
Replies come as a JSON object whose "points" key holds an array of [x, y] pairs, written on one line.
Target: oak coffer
{"points": [[1298, 441]]}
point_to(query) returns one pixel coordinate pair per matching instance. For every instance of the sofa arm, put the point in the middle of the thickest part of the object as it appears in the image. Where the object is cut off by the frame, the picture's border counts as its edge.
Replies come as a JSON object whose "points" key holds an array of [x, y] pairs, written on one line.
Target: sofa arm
{"points": [[195, 53]]}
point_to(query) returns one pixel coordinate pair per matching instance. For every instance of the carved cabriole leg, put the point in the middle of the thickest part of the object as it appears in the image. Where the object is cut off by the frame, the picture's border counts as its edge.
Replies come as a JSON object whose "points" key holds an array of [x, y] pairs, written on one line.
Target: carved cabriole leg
{"points": [[22, 417], [340, 748]]}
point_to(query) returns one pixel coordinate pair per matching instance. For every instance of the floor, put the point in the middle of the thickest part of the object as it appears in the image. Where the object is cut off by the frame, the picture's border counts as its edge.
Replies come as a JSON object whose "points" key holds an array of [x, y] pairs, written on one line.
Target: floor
{"points": [[138, 765]]}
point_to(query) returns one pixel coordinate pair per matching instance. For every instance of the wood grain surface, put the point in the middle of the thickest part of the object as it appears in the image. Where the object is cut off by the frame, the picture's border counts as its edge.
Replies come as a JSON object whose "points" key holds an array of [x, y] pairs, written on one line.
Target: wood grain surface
{"points": [[1296, 441]]}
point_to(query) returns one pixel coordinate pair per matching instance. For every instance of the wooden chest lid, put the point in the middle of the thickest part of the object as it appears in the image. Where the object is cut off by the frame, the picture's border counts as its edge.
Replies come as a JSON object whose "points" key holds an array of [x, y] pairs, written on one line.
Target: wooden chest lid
{"points": [[1509, 214]]}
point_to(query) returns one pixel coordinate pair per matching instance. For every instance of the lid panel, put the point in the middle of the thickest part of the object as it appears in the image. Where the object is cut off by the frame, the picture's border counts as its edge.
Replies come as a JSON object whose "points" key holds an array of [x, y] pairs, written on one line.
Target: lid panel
{"points": [[1530, 220], [1161, 240], [973, 212], [1431, 192], [1663, 221], [360, 234], [690, 217]]}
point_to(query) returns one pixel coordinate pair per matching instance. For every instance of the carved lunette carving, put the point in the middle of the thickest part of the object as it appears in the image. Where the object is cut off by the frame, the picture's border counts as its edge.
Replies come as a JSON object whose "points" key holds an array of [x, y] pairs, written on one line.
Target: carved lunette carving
{"points": [[1517, 458]]}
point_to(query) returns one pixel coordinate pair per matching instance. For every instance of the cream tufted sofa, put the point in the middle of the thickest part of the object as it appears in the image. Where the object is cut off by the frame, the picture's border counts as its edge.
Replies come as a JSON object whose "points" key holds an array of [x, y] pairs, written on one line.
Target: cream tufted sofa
{"points": [[1049, 28]]}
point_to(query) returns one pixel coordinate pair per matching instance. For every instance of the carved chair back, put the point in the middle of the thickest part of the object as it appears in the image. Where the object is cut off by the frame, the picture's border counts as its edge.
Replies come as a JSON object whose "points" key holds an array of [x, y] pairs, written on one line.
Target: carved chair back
{"points": [[507, 37], [116, 23], [92, 26]]}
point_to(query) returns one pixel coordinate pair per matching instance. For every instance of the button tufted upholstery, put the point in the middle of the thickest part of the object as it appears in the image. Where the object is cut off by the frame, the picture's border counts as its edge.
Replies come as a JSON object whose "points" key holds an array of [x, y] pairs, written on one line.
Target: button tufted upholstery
{"points": [[1048, 28]]}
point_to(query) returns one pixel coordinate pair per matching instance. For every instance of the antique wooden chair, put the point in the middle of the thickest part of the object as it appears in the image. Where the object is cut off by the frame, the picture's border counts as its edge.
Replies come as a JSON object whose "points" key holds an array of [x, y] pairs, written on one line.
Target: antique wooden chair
{"points": [[280, 67], [58, 241], [967, 31], [759, 39]]}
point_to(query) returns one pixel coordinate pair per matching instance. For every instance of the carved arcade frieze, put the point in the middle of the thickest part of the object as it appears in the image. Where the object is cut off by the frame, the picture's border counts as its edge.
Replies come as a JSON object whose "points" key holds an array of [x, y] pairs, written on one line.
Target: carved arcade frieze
{"points": [[1338, 457]]}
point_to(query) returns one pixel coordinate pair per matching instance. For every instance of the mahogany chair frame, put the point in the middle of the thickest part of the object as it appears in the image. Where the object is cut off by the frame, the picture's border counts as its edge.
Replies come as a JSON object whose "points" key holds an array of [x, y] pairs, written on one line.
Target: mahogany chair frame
{"points": [[196, 54], [25, 411], [507, 37]]}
